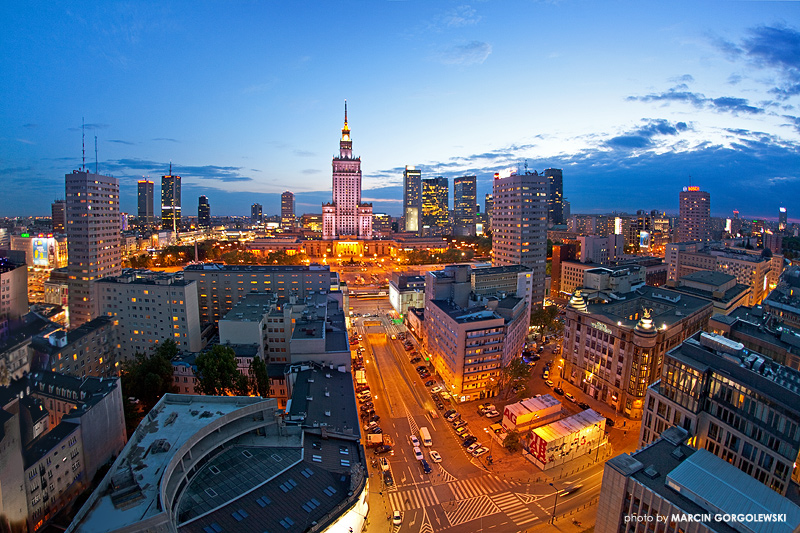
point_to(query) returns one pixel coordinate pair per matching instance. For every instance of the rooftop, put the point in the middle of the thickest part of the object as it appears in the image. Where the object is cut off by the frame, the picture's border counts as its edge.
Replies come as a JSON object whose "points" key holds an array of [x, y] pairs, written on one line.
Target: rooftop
{"points": [[41, 343], [709, 277], [219, 267], [668, 306], [571, 424], [252, 307], [312, 406]]}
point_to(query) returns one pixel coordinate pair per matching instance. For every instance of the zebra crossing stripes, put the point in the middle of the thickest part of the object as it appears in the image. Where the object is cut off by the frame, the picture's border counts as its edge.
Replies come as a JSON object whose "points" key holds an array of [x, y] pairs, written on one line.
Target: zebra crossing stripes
{"points": [[413, 499], [444, 476], [469, 488], [459, 512], [513, 508]]}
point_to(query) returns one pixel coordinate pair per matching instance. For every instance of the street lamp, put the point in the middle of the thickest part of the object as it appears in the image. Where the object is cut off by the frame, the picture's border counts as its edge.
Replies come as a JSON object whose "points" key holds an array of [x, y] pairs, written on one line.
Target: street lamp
{"points": [[553, 519]]}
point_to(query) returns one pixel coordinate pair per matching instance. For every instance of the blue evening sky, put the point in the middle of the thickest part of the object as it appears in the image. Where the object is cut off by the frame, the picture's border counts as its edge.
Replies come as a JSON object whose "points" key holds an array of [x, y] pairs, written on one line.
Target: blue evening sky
{"points": [[633, 99]]}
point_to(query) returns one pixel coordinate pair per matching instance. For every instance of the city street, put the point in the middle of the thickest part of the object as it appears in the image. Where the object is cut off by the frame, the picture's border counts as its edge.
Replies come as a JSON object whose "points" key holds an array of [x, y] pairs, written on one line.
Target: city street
{"points": [[463, 493]]}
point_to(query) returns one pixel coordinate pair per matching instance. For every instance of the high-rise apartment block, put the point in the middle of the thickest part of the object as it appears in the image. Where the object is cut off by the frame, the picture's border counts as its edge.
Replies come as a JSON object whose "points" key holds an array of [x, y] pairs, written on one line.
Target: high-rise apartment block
{"points": [[59, 214], [694, 215], [346, 215], [93, 236], [739, 405], [519, 225], [171, 202], [88, 350], [412, 199], [151, 308], [555, 196], [287, 211], [255, 213], [13, 289], [488, 202], [435, 213], [782, 218], [465, 206], [144, 197], [203, 212]]}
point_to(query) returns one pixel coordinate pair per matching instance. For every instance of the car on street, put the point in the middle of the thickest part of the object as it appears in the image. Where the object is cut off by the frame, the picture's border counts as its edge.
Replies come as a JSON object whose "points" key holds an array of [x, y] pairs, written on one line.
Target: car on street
{"points": [[425, 466], [425, 374], [549, 383], [422, 368], [610, 422], [418, 454], [462, 430], [414, 441], [472, 446], [397, 518], [536, 357], [440, 406], [375, 431], [388, 480], [492, 414], [570, 397], [469, 440], [546, 374], [558, 390], [383, 448], [416, 360], [449, 412], [451, 416], [435, 457], [583, 405], [477, 452], [384, 464], [430, 383], [459, 423], [435, 389]]}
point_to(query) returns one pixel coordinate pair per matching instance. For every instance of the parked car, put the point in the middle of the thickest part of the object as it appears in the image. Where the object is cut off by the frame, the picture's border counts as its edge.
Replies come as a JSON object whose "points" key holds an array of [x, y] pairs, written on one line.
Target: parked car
{"points": [[549, 383], [493, 413], [384, 464], [558, 390], [435, 457], [440, 406], [570, 397], [388, 480], [472, 446], [462, 431], [416, 360], [610, 422], [422, 368], [449, 412], [477, 452], [397, 518], [383, 448], [546, 374], [437, 388], [375, 431], [459, 423], [424, 374], [583, 405], [452, 416], [430, 383], [469, 440]]}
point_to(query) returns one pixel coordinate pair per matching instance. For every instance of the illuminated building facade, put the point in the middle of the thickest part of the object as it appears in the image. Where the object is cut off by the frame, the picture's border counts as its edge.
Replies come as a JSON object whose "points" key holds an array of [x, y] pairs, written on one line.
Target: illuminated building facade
{"points": [[287, 211], [170, 202], [782, 218], [614, 346], [255, 213], [694, 216], [519, 225], [465, 206], [145, 191], [93, 237], [203, 212], [346, 215], [412, 199], [59, 214], [555, 196], [435, 212]]}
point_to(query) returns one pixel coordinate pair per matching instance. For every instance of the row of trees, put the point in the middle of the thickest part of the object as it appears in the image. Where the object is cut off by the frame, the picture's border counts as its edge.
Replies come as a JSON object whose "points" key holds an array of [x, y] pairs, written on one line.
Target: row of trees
{"points": [[229, 253]]}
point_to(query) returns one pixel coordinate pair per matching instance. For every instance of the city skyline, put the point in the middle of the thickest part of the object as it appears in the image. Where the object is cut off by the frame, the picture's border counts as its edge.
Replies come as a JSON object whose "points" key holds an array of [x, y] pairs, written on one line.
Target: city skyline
{"points": [[633, 102]]}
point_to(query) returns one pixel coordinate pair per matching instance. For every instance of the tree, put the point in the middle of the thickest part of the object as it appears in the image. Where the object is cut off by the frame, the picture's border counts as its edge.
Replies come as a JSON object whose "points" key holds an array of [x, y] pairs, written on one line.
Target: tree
{"points": [[512, 442], [218, 374], [260, 379], [148, 378], [515, 370]]}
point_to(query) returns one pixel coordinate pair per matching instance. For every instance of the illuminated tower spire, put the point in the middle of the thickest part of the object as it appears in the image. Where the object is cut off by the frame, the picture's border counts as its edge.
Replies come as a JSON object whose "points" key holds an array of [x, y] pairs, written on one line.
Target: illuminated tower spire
{"points": [[345, 145]]}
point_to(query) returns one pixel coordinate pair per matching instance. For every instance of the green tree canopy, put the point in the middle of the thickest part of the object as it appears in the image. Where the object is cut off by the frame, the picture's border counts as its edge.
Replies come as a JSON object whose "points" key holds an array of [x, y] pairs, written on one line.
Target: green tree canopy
{"points": [[260, 378], [515, 371], [513, 441], [218, 375], [147, 378]]}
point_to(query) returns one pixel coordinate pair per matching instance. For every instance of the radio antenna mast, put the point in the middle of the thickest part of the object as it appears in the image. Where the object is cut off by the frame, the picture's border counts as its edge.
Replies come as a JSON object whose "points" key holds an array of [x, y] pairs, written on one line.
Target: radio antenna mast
{"points": [[83, 144]]}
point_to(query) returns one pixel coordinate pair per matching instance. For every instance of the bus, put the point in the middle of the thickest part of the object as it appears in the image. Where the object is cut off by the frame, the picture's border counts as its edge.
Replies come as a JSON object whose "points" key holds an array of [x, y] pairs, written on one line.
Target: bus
{"points": [[426, 437]]}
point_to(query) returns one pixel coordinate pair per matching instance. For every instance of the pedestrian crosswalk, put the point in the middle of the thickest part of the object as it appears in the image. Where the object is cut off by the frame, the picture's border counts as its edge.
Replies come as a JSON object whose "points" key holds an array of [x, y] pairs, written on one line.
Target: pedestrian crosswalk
{"points": [[413, 498], [469, 488], [461, 511], [514, 508]]}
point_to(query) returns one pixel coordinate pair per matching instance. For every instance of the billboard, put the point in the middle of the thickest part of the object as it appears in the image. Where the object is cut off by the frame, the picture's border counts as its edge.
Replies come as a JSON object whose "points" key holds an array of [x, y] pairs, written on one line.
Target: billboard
{"points": [[644, 239], [40, 252]]}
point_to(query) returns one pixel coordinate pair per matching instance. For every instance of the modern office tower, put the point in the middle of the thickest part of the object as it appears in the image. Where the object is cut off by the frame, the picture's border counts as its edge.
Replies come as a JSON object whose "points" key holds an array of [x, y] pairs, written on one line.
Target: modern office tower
{"points": [[381, 225], [465, 205], [287, 211], [555, 196], [412, 199], [14, 287], [203, 212], [488, 202], [345, 215], [519, 225], [782, 218], [694, 215], [145, 203], [171, 202], [739, 405], [614, 344], [561, 254], [59, 213], [220, 287], [151, 308], [255, 213], [435, 214], [93, 238], [469, 338], [670, 487]]}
